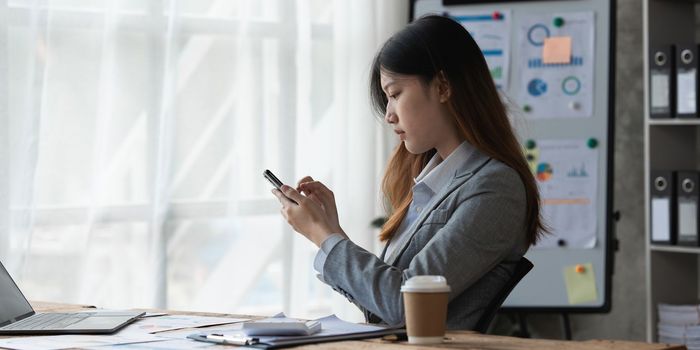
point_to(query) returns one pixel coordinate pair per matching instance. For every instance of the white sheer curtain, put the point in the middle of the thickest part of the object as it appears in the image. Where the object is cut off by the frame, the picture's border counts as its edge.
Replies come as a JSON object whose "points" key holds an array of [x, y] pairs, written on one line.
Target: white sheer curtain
{"points": [[137, 132]]}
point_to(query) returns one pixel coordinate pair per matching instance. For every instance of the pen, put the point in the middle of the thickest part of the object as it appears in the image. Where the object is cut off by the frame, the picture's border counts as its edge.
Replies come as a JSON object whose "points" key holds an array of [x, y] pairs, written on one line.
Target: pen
{"points": [[234, 339]]}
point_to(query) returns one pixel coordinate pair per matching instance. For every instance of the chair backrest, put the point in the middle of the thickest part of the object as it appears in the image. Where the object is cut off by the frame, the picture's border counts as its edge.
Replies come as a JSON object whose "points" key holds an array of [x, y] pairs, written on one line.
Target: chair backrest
{"points": [[521, 269]]}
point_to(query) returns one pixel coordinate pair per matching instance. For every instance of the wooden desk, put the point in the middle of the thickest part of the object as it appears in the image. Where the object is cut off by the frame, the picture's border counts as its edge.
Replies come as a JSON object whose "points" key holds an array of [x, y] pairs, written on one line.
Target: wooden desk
{"points": [[456, 339]]}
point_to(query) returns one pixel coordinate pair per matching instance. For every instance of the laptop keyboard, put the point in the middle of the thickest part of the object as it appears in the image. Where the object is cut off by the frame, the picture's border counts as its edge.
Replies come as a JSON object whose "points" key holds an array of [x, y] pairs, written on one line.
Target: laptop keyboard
{"points": [[48, 321]]}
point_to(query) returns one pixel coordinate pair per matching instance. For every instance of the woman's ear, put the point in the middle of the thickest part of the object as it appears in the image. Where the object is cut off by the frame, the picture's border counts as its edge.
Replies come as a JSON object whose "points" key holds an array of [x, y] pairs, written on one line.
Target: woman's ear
{"points": [[444, 90]]}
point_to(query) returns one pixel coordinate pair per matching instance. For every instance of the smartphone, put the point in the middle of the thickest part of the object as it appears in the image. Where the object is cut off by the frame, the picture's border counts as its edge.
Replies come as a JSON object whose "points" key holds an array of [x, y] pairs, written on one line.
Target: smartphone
{"points": [[283, 327], [273, 179], [275, 182]]}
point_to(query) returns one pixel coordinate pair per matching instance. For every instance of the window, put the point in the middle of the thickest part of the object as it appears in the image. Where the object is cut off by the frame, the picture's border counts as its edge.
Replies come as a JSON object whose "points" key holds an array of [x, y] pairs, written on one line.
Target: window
{"points": [[139, 131]]}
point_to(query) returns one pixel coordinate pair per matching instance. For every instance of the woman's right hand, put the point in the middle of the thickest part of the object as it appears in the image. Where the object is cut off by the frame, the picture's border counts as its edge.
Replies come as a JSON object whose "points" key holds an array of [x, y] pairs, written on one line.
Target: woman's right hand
{"points": [[322, 195]]}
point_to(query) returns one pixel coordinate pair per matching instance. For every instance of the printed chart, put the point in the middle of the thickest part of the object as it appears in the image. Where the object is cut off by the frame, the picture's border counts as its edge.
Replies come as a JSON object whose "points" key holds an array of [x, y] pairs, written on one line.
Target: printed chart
{"points": [[566, 174], [556, 81], [491, 31]]}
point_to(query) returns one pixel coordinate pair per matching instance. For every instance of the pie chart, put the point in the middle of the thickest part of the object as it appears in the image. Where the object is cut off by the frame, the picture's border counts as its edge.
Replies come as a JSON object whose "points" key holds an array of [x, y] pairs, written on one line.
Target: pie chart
{"points": [[536, 87], [544, 172]]}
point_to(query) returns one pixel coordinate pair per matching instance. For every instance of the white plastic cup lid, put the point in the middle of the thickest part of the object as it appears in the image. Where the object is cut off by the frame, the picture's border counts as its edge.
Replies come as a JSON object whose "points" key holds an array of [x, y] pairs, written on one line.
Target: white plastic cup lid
{"points": [[426, 284]]}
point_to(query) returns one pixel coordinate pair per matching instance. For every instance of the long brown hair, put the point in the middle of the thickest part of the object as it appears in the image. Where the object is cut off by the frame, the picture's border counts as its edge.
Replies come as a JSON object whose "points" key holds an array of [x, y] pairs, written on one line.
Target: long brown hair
{"points": [[432, 47]]}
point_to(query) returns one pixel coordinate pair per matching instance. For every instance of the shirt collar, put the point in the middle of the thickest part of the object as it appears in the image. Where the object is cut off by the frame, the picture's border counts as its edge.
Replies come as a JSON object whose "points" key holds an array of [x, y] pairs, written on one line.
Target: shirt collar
{"points": [[438, 172]]}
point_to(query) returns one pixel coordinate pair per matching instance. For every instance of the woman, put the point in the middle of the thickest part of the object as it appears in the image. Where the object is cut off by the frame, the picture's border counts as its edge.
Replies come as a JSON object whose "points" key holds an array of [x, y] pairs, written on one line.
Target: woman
{"points": [[464, 203]]}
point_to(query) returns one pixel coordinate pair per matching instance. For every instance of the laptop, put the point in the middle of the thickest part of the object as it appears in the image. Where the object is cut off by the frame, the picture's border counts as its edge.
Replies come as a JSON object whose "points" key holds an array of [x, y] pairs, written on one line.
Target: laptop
{"points": [[18, 317]]}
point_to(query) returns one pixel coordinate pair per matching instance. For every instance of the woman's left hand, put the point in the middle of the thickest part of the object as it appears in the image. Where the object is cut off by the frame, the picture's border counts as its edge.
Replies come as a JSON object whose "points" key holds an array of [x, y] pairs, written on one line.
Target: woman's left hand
{"points": [[306, 216]]}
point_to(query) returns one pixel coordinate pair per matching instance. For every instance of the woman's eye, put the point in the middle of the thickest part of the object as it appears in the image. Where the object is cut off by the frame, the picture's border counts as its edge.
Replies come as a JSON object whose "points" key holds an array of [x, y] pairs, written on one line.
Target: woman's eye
{"points": [[394, 96]]}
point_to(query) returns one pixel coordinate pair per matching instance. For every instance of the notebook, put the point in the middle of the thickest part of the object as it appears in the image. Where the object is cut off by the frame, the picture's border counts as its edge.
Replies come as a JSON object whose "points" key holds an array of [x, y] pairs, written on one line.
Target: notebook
{"points": [[18, 317]]}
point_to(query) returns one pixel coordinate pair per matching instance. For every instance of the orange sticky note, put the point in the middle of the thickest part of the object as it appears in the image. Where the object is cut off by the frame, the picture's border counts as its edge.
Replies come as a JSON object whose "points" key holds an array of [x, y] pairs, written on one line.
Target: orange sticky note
{"points": [[556, 49]]}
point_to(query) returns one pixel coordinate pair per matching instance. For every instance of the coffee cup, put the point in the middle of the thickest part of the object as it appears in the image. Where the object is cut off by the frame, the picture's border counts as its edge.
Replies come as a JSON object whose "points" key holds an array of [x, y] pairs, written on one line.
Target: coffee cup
{"points": [[425, 303]]}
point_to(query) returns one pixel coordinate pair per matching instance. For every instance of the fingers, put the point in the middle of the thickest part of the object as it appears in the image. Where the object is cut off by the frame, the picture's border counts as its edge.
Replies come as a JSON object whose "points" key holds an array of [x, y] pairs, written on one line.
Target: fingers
{"points": [[319, 190], [314, 197], [292, 194], [304, 179], [313, 186], [286, 202]]}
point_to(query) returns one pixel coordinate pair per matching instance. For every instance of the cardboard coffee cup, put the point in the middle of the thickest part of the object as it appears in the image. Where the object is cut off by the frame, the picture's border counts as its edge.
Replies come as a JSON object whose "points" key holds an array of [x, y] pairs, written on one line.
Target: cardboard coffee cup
{"points": [[425, 302]]}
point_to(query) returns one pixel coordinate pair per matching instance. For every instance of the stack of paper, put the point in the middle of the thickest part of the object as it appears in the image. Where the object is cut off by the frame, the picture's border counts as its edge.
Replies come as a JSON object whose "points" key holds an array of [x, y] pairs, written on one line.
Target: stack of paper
{"points": [[680, 324], [332, 329], [151, 332]]}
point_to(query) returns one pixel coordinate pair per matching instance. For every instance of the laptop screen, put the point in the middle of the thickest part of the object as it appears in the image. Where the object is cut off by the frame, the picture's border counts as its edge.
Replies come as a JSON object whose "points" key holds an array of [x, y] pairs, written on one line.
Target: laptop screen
{"points": [[13, 304]]}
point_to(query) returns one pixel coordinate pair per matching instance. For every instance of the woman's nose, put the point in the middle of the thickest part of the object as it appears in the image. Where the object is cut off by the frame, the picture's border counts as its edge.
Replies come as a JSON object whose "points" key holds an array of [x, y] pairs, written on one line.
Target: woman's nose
{"points": [[390, 116]]}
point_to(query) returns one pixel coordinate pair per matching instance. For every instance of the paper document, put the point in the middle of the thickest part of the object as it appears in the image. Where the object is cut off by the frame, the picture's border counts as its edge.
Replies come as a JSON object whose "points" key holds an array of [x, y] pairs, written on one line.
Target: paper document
{"points": [[169, 344], [73, 341], [555, 64], [567, 177], [332, 328], [173, 322], [679, 324], [679, 315], [491, 31]]}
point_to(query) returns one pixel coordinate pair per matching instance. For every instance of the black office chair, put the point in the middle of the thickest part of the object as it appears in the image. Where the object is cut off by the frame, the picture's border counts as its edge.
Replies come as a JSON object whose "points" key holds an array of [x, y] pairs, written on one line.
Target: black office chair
{"points": [[521, 269]]}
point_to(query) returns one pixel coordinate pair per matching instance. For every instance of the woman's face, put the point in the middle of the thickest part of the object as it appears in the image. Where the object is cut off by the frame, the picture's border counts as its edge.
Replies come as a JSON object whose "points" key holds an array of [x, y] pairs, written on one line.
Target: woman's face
{"points": [[418, 113]]}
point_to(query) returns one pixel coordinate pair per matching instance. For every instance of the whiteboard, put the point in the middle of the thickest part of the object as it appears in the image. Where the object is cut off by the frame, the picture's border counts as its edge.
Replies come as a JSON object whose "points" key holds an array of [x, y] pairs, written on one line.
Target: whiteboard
{"points": [[579, 121]]}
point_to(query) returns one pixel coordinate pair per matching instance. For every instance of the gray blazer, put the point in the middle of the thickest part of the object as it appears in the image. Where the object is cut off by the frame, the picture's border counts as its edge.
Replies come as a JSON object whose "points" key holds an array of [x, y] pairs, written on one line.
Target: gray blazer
{"points": [[473, 234]]}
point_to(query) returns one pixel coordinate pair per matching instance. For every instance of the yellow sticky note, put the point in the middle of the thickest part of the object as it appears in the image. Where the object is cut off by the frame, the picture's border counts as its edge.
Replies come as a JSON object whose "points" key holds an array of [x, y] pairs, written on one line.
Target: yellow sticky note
{"points": [[556, 49], [580, 283], [533, 157]]}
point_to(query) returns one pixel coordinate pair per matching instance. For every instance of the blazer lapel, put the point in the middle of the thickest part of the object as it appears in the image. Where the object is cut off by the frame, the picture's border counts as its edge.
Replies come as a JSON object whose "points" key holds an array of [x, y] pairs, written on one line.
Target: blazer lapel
{"points": [[475, 161], [381, 256]]}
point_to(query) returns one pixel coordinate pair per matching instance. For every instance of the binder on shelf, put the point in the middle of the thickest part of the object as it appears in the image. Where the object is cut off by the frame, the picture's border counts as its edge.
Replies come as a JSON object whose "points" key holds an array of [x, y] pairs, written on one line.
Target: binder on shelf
{"points": [[661, 82], [688, 206], [663, 207], [686, 81]]}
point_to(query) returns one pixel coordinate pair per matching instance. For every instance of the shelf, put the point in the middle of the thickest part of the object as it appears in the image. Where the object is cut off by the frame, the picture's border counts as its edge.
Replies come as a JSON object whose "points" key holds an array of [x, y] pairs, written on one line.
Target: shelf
{"points": [[675, 249], [674, 121], [672, 271]]}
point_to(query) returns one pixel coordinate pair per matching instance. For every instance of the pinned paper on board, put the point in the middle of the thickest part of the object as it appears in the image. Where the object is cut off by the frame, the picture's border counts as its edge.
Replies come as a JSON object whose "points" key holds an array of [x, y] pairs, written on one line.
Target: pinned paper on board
{"points": [[580, 283], [491, 31], [566, 172], [555, 65], [556, 50]]}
